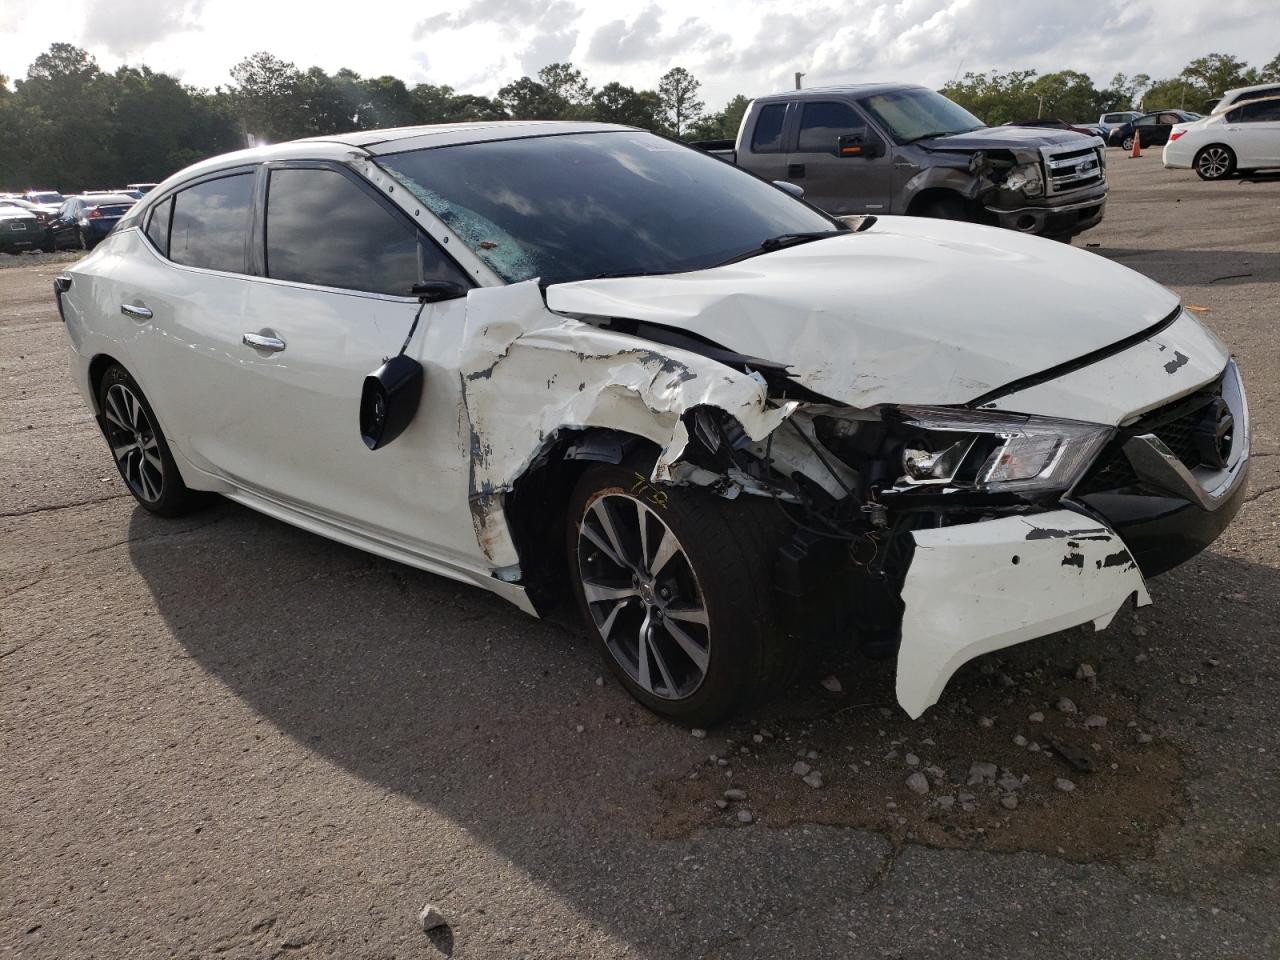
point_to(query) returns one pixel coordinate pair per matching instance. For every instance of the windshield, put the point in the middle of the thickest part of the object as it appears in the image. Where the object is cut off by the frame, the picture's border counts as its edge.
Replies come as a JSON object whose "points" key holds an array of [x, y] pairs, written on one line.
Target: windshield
{"points": [[575, 206], [45, 197], [917, 113]]}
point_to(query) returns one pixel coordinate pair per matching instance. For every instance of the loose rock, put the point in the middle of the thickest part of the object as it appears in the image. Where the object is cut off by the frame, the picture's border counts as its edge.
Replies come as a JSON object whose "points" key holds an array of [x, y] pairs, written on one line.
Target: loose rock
{"points": [[1019, 740], [832, 683], [912, 760], [744, 816], [722, 804], [947, 802], [1145, 738], [814, 780], [1095, 720], [981, 772], [801, 769], [429, 918], [1086, 672], [1067, 705], [1009, 801], [918, 783], [986, 723], [1063, 784], [698, 733], [1036, 717], [735, 794]]}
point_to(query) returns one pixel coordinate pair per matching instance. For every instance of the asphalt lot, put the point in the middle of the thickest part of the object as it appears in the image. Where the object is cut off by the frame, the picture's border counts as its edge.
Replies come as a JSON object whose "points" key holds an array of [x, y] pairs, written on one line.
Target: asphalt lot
{"points": [[221, 736]]}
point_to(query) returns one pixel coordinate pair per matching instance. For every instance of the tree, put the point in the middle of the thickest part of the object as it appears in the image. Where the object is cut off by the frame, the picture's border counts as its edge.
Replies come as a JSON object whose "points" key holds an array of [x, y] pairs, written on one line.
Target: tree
{"points": [[678, 94], [723, 125], [527, 99], [440, 104], [1124, 93], [1068, 95], [995, 97], [1218, 73], [1176, 93], [1271, 72], [566, 81], [267, 95], [615, 103]]}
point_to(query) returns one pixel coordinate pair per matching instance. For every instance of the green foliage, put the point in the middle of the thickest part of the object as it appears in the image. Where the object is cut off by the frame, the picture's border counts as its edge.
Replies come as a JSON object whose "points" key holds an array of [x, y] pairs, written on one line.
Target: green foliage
{"points": [[1271, 72], [615, 103], [678, 93], [723, 125], [995, 97]]}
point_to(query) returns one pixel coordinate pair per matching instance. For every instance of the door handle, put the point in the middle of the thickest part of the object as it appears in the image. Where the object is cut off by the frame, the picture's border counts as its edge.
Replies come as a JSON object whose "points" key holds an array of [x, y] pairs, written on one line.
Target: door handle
{"points": [[795, 170], [135, 312], [259, 342]]}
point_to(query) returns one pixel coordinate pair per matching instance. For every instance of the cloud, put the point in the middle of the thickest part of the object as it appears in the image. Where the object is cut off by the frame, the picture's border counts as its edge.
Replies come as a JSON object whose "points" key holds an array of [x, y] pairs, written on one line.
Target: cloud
{"points": [[618, 41], [124, 27]]}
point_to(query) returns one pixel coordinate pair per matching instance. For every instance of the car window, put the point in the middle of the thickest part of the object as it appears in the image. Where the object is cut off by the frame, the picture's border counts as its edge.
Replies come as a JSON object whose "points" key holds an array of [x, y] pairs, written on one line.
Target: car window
{"points": [[322, 228], [1259, 111], [823, 123], [1144, 121], [210, 223], [767, 137], [158, 225], [1170, 118]]}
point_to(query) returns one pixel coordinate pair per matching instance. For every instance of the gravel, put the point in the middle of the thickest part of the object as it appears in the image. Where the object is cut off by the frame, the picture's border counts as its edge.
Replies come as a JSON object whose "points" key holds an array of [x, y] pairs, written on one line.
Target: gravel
{"points": [[744, 816], [801, 769], [734, 793], [1067, 705], [1063, 784], [918, 783]]}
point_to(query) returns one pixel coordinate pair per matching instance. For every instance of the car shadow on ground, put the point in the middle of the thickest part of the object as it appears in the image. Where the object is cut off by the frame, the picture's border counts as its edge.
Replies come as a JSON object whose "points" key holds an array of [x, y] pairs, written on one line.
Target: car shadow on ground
{"points": [[454, 699], [1196, 268]]}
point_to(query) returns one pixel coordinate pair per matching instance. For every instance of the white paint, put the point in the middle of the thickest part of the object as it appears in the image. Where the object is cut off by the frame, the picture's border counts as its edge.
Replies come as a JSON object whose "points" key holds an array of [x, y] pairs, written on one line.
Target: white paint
{"points": [[965, 595]]}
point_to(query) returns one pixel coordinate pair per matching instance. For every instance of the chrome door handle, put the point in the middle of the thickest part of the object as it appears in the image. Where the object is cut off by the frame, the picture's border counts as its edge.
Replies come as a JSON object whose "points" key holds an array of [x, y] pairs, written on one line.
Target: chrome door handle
{"points": [[259, 342], [135, 312]]}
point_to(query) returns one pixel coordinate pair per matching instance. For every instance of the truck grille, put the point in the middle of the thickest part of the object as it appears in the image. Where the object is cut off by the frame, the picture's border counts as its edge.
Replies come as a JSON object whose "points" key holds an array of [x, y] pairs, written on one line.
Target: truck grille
{"points": [[1073, 169]]}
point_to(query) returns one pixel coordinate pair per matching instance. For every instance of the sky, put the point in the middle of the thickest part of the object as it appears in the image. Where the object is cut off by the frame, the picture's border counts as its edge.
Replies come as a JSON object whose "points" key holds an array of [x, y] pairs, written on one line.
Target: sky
{"points": [[477, 46]]}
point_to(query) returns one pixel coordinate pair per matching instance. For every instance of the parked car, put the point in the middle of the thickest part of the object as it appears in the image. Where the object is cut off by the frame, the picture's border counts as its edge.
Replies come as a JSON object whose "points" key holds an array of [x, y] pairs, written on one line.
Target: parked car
{"points": [[1109, 121], [896, 148], [141, 188], [1053, 123], [44, 214], [1151, 129], [1239, 95], [19, 230], [1242, 138], [726, 428], [44, 197], [84, 220]]}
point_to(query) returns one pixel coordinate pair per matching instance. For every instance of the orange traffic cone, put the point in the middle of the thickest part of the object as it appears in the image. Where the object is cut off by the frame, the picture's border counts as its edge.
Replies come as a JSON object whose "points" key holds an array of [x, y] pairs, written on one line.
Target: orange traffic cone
{"points": [[1137, 146]]}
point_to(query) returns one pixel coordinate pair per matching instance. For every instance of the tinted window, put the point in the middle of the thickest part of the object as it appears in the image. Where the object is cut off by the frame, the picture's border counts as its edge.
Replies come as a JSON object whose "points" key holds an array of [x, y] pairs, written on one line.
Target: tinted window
{"points": [[324, 229], [917, 114], [767, 137], [1170, 118], [580, 205], [158, 227], [822, 124], [210, 222], [1260, 111], [1144, 122]]}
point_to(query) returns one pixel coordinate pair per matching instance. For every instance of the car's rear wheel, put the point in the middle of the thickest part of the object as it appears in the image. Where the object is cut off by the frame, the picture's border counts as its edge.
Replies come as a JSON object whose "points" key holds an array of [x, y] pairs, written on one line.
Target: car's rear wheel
{"points": [[138, 446], [1126, 143], [676, 584], [81, 240], [1215, 162]]}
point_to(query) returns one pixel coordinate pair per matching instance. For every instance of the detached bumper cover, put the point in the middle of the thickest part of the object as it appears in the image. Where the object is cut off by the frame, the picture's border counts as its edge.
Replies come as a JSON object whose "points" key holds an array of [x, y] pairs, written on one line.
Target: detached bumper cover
{"points": [[977, 587]]}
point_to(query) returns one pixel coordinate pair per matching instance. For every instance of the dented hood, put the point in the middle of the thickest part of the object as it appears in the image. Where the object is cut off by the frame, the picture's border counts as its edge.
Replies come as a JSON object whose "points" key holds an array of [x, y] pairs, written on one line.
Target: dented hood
{"points": [[910, 311], [1010, 138]]}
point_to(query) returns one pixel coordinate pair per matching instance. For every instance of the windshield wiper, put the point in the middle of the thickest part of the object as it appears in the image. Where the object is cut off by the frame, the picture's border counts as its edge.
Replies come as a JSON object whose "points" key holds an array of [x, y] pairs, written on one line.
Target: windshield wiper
{"points": [[781, 241]]}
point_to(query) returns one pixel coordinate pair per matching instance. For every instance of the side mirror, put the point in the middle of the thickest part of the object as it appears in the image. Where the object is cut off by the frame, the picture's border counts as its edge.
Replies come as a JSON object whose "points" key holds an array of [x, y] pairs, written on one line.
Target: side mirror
{"points": [[794, 189], [858, 145], [389, 400], [433, 291]]}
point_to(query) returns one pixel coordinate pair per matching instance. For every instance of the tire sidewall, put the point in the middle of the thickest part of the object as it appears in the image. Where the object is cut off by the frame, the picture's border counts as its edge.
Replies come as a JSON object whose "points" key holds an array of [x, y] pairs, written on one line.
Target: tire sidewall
{"points": [[174, 496], [1231, 162], [737, 628]]}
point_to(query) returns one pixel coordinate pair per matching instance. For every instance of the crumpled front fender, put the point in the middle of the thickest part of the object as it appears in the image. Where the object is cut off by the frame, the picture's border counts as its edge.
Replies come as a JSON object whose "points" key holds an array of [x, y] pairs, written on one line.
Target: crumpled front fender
{"points": [[977, 587]]}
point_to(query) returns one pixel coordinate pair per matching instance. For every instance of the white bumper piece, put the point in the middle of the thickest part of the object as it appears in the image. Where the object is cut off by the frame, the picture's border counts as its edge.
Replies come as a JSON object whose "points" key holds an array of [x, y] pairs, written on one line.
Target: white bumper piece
{"points": [[978, 587]]}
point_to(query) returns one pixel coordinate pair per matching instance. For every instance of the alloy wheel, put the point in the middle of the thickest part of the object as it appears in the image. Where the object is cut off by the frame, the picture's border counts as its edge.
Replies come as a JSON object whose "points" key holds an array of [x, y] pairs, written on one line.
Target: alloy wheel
{"points": [[133, 442], [643, 596], [1214, 163]]}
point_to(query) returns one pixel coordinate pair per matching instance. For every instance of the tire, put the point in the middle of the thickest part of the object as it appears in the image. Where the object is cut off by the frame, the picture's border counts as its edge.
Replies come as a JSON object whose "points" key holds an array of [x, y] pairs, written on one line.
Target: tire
{"points": [[1217, 161], [138, 446], [82, 242], [1127, 143], [702, 586], [943, 208]]}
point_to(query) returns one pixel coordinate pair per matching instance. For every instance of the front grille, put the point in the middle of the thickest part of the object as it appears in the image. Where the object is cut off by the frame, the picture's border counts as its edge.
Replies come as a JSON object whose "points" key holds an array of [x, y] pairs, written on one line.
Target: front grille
{"points": [[1174, 424], [1073, 169]]}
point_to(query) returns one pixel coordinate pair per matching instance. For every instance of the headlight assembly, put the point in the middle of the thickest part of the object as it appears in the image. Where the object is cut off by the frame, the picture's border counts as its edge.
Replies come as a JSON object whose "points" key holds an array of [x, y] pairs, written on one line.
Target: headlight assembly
{"points": [[991, 452], [1026, 179]]}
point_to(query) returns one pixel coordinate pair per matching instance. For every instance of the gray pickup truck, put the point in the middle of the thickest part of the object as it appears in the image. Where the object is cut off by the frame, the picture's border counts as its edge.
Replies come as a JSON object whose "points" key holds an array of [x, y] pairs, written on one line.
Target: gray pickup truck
{"points": [[896, 148]]}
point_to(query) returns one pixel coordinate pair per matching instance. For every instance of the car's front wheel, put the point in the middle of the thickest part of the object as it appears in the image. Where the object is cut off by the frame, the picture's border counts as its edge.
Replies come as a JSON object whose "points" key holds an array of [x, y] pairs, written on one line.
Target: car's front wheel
{"points": [[138, 446], [676, 585], [1215, 162]]}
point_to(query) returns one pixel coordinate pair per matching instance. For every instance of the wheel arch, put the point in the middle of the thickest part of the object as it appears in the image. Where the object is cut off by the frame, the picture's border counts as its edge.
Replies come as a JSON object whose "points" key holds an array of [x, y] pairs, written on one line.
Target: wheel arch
{"points": [[929, 195], [98, 367]]}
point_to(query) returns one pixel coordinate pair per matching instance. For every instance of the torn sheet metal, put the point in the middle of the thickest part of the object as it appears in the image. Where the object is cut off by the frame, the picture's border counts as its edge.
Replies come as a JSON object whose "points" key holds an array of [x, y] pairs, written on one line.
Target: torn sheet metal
{"points": [[527, 373], [978, 587]]}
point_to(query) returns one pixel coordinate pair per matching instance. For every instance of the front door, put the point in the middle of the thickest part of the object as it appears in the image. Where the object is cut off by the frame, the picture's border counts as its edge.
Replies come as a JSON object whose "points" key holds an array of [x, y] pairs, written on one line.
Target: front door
{"points": [[839, 159]]}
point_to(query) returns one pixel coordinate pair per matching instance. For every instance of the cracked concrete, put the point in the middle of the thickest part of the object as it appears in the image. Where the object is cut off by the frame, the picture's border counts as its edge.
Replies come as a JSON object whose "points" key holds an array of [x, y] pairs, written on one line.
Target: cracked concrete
{"points": [[224, 736]]}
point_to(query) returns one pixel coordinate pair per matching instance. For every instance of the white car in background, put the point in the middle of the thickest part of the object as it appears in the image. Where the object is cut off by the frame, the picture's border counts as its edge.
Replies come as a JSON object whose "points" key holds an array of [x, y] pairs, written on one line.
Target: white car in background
{"points": [[1240, 138], [726, 424]]}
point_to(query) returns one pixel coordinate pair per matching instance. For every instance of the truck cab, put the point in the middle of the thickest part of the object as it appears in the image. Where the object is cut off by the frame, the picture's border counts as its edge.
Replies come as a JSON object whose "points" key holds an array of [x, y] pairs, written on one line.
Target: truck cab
{"points": [[903, 149]]}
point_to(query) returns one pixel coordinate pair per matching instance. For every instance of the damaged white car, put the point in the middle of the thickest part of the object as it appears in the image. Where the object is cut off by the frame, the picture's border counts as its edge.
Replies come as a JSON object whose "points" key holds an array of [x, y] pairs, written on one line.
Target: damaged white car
{"points": [[579, 359]]}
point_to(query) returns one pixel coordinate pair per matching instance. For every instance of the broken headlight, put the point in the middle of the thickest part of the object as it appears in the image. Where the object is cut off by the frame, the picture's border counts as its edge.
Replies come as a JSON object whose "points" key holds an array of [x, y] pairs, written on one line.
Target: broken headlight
{"points": [[1026, 179], [995, 452]]}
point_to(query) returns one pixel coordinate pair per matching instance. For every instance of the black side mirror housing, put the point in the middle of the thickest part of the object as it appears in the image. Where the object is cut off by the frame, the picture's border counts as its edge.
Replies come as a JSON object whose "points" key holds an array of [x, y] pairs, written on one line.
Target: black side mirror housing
{"points": [[858, 145], [433, 291], [389, 400]]}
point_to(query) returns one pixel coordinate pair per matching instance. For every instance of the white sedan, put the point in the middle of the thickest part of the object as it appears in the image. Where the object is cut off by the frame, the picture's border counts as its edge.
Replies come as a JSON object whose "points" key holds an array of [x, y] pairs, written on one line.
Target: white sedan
{"points": [[1242, 138], [580, 360]]}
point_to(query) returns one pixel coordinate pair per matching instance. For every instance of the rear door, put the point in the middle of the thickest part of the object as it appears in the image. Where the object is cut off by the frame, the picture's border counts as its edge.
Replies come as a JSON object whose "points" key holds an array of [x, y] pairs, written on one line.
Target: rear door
{"points": [[764, 153], [1254, 133], [839, 159]]}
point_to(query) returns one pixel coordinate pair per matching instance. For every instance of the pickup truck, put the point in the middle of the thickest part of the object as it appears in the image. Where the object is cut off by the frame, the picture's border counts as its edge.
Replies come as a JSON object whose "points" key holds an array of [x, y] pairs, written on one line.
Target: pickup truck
{"points": [[903, 149]]}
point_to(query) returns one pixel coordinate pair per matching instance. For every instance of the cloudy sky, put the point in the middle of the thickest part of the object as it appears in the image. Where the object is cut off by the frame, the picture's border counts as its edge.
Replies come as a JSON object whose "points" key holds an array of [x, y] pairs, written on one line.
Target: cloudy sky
{"points": [[753, 48]]}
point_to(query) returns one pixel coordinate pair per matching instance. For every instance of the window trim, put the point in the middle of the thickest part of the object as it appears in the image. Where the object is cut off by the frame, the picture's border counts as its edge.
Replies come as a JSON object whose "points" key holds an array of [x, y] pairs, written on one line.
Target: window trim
{"points": [[248, 168], [258, 230]]}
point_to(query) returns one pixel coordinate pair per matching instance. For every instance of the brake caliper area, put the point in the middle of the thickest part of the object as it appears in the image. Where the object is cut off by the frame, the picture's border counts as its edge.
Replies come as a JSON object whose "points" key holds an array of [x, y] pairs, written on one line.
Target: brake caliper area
{"points": [[977, 587]]}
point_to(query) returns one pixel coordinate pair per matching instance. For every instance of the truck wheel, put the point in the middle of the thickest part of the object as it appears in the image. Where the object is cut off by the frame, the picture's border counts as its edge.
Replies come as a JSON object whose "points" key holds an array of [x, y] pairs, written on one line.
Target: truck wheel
{"points": [[676, 585], [943, 208], [1215, 162]]}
